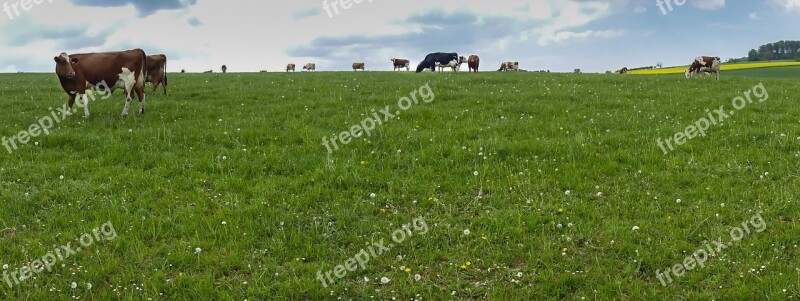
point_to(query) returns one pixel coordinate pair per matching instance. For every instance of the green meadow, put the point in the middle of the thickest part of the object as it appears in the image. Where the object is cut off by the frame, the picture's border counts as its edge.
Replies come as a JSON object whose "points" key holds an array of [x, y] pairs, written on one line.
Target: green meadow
{"points": [[516, 186]]}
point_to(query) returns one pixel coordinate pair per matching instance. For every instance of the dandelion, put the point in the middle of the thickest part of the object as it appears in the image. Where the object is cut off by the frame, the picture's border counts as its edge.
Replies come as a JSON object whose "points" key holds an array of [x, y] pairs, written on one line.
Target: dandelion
{"points": [[560, 210], [197, 250], [372, 195], [463, 267], [475, 173], [384, 280], [468, 263], [88, 286], [678, 201], [466, 232], [224, 223], [635, 228], [407, 270], [567, 192], [564, 250], [363, 162], [61, 177], [5, 267], [73, 285], [417, 277], [519, 274]]}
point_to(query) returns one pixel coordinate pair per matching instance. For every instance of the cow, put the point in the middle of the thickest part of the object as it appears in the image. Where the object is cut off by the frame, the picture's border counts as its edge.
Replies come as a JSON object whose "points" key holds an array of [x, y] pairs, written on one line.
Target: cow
{"points": [[122, 69], [209, 71], [506, 66], [310, 67], [401, 63], [624, 70], [290, 67], [704, 64], [224, 69], [473, 62], [454, 64], [357, 66], [437, 57], [157, 71]]}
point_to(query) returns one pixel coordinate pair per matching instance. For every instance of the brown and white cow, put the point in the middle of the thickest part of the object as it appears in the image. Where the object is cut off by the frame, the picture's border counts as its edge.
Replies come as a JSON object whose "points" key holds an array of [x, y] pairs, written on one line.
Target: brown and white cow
{"points": [[120, 69], [290, 67], [157, 71], [454, 64], [473, 62], [359, 66], [310, 67], [401, 63], [704, 64], [507, 66]]}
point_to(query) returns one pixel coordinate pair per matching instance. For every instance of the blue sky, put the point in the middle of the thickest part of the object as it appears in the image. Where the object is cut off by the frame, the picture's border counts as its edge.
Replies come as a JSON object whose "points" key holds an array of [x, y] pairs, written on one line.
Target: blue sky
{"points": [[253, 35]]}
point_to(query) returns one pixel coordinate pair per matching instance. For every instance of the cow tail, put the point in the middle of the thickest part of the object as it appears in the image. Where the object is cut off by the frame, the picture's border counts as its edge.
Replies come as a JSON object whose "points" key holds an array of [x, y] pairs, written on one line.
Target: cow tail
{"points": [[144, 67], [165, 75]]}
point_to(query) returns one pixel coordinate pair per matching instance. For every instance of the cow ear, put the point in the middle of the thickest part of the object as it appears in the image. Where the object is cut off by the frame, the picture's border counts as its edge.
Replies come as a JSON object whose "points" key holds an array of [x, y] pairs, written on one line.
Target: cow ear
{"points": [[74, 60]]}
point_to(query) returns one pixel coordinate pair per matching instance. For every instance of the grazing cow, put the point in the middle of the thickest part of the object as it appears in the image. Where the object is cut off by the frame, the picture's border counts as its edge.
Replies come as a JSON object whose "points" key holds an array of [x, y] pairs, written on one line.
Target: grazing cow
{"points": [[437, 57], [157, 71], [290, 67], [473, 62], [357, 66], [122, 69], [624, 70], [209, 71], [263, 71], [183, 70], [224, 69], [401, 63], [704, 64], [507, 66], [310, 67]]}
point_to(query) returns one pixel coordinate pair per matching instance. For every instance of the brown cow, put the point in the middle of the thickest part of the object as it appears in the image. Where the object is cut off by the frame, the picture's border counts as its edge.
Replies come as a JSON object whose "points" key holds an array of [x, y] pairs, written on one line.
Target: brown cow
{"points": [[359, 66], [157, 71], [224, 69], [506, 66], [401, 63], [473, 62], [122, 69], [704, 64], [290, 67]]}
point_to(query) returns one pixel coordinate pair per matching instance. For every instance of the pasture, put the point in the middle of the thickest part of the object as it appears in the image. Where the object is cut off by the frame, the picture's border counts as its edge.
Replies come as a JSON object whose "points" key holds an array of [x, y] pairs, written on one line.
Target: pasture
{"points": [[532, 186]]}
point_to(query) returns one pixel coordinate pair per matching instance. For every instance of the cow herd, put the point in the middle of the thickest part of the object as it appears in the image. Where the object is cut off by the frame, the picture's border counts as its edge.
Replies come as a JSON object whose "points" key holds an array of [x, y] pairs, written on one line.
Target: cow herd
{"points": [[131, 69], [431, 62]]}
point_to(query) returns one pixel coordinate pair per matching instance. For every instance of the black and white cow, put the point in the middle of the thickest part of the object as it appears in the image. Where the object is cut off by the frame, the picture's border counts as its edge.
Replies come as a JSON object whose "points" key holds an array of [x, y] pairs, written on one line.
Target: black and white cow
{"points": [[704, 64], [432, 59]]}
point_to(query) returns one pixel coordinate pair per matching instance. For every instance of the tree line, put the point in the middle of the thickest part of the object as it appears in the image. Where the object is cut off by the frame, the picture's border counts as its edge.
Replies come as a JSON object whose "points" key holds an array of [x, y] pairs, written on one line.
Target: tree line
{"points": [[782, 50]]}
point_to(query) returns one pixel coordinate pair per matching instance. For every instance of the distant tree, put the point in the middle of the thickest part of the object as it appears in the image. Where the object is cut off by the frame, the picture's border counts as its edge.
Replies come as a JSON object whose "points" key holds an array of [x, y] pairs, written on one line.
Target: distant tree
{"points": [[659, 65], [577, 70], [768, 56]]}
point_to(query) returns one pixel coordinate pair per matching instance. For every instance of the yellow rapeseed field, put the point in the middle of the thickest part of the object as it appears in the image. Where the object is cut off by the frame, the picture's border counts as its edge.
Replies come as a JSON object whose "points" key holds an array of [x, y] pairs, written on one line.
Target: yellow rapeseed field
{"points": [[675, 70]]}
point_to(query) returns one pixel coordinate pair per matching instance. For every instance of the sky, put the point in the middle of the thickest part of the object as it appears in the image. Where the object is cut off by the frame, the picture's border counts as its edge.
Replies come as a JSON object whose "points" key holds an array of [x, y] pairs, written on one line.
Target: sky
{"points": [[254, 35]]}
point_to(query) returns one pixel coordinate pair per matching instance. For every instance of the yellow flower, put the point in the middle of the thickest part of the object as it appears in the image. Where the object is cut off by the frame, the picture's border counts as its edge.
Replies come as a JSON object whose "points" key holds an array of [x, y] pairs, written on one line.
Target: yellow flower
{"points": [[469, 263], [484, 238], [408, 270], [564, 250], [560, 210], [669, 217], [363, 162], [383, 210], [463, 267]]}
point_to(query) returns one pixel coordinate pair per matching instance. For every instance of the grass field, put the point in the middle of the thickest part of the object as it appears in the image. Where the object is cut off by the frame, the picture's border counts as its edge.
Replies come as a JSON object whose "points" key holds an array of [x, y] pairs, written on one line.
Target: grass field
{"points": [[529, 186], [725, 67]]}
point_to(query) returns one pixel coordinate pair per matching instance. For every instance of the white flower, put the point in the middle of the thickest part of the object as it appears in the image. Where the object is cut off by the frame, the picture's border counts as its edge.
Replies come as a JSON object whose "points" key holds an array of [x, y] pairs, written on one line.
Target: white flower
{"points": [[197, 250], [372, 195], [88, 286], [635, 228], [224, 222], [366, 279], [678, 201], [384, 280], [73, 285], [417, 277], [61, 177], [466, 232], [5, 267], [599, 194], [475, 173], [559, 226], [567, 192], [519, 274]]}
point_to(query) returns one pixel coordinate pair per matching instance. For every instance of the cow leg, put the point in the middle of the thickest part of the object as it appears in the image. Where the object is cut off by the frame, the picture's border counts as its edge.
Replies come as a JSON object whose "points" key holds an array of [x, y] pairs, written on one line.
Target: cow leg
{"points": [[128, 100], [85, 106], [70, 102], [142, 96]]}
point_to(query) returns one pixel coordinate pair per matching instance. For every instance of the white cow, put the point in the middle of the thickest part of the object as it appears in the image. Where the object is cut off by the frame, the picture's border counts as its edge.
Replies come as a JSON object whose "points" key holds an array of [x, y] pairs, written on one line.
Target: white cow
{"points": [[310, 67], [454, 64]]}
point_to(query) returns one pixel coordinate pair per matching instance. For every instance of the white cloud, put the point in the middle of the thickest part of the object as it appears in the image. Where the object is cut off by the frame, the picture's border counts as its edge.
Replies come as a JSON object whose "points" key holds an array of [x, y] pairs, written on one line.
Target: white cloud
{"points": [[754, 16], [564, 36], [789, 4], [708, 4]]}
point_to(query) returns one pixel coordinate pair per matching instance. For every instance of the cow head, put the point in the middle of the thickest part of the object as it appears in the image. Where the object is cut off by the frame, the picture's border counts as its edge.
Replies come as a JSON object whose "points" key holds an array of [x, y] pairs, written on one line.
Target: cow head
{"points": [[64, 66]]}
